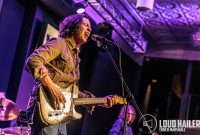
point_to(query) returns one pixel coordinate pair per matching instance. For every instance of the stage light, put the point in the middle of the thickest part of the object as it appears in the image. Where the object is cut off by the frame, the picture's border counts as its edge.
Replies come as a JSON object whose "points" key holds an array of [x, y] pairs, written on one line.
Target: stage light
{"points": [[93, 2], [145, 5], [80, 7]]}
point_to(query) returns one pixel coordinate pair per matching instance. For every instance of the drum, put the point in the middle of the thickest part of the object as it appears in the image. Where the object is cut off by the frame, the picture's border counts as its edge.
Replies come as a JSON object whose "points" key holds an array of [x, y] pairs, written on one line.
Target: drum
{"points": [[16, 131]]}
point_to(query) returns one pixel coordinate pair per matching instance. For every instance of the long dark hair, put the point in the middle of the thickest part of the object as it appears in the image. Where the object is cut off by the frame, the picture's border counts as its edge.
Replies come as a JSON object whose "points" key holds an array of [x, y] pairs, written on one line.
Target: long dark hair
{"points": [[70, 25], [123, 110]]}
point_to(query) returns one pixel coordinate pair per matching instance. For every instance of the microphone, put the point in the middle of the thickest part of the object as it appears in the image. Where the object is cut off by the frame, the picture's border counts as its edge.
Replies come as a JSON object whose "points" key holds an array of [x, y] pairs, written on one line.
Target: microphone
{"points": [[100, 39]]}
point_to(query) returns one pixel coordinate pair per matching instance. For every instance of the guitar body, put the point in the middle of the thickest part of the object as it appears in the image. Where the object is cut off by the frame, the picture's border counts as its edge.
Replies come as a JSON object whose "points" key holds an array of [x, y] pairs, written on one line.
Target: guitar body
{"points": [[50, 116]]}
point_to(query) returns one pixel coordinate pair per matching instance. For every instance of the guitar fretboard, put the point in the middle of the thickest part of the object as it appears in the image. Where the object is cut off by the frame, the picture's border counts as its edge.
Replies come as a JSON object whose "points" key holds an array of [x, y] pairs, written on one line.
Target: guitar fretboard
{"points": [[89, 101]]}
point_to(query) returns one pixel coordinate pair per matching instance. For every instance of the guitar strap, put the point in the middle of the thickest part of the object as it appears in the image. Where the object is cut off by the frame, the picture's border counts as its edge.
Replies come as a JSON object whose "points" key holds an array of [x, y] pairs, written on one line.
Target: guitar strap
{"points": [[58, 70], [71, 98]]}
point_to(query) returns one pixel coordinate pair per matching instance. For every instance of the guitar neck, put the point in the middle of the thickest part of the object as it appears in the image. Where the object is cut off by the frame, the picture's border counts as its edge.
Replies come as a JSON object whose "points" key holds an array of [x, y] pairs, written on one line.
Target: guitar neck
{"points": [[89, 101]]}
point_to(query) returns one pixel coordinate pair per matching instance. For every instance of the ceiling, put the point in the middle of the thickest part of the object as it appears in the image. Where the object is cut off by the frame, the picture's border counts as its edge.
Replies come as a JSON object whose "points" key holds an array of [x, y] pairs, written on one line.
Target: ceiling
{"points": [[170, 30], [172, 22]]}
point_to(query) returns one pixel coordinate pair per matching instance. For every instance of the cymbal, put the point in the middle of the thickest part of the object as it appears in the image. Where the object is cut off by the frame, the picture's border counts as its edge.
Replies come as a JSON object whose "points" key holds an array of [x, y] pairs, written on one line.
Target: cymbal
{"points": [[8, 109], [17, 130]]}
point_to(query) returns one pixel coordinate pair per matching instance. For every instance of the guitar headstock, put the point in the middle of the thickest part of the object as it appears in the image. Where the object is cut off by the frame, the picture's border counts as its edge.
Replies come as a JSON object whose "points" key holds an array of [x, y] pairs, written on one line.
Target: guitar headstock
{"points": [[119, 100]]}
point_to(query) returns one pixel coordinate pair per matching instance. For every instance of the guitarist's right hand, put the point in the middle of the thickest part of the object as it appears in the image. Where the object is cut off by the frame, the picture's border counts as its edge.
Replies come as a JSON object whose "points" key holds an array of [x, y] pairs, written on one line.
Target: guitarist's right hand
{"points": [[56, 97]]}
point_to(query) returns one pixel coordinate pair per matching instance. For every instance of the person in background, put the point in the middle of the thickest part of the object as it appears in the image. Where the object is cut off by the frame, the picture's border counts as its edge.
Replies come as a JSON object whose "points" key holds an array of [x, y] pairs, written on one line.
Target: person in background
{"points": [[118, 126], [56, 64]]}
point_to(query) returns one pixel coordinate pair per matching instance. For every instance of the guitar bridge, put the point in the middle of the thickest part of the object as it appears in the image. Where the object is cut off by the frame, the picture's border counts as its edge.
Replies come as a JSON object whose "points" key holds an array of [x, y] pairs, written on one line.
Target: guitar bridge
{"points": [[55, 113]]}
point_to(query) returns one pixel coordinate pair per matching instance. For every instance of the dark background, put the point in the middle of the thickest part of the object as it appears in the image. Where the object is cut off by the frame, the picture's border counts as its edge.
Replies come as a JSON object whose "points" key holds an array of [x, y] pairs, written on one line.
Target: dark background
{"points": [[22, 26]]}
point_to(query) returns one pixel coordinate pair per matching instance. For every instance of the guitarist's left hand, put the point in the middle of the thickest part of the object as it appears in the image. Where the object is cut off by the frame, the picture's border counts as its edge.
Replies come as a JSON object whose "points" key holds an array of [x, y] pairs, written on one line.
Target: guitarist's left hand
{"points": [[110, 102]]}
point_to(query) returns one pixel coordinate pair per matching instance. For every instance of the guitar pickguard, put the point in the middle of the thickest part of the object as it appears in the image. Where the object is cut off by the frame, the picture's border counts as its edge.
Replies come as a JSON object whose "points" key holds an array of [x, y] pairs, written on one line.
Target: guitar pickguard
{"points": [[50, 116]]}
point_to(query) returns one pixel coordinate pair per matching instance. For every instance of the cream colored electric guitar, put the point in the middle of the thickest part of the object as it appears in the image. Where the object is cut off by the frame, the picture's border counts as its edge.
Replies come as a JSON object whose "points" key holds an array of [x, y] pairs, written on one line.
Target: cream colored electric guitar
{"points": [[50, 116]]}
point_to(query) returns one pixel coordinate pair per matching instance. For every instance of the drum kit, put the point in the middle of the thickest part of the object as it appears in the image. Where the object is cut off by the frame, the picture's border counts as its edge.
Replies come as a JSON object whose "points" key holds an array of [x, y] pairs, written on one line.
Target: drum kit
{"points": [[10, 111]]}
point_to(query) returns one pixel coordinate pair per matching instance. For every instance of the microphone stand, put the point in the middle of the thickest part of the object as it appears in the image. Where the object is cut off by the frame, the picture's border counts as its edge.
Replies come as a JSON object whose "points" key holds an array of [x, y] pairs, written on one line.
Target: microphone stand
{"points": [[129, 94], [125, 116]]}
